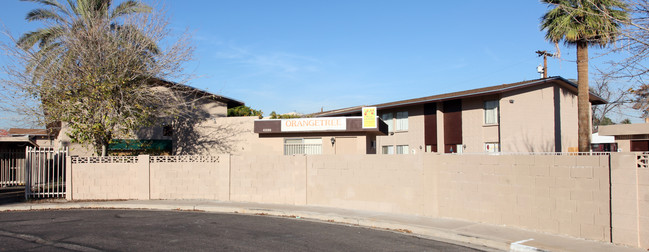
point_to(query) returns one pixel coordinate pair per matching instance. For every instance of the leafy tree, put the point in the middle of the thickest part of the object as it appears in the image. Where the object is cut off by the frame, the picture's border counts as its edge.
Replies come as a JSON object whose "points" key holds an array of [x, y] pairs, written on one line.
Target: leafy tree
{"points": [[583, 23], [626, 121], [603, 121], [274, 115], [96, 67], [641, 101], [244, 111]]}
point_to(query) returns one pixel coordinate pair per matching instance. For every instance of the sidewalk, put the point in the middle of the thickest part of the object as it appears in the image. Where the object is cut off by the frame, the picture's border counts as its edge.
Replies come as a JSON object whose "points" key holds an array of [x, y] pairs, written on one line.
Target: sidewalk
{"points": [[448, 230]]}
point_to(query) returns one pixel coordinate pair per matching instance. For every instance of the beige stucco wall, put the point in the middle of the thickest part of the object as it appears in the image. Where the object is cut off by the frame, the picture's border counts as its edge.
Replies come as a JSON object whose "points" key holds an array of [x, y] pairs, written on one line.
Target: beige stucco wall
{"points": [[527, 124], [44, 142], [413, 137], [474, 132], [623, 145], [557, 194], [624, 129], [220, 135]]}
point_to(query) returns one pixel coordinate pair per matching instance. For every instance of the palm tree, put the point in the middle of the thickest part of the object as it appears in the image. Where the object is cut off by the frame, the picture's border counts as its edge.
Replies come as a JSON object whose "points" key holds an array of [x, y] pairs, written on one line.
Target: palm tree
{"points": [[63, 21], [78, 39], [583, 23], [81, 13]]}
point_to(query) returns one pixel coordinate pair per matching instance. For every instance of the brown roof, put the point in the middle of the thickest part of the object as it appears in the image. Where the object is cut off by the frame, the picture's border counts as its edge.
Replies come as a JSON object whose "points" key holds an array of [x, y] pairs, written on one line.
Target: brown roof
{"points": [[18, 139], [594, 99], [18, 131], [231, 103]]}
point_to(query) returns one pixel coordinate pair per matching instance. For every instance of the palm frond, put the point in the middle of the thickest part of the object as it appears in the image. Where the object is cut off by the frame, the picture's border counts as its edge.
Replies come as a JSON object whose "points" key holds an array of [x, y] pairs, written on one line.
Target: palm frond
{"points": [[596, 22], [47, 3], [129, 7], [43, 14], [28, 40]]}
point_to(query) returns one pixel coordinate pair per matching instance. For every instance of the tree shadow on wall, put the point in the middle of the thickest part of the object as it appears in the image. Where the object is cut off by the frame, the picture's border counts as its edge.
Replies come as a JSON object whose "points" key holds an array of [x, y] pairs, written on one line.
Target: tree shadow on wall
{"points": [[195, 121], [203, 136], [529, 145]]}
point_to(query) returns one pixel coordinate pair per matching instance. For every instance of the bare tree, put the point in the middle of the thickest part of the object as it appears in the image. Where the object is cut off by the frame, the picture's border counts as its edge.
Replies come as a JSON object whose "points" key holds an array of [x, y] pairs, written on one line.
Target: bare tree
{"points": [[633, 45], [97, 73], [616, 97]]}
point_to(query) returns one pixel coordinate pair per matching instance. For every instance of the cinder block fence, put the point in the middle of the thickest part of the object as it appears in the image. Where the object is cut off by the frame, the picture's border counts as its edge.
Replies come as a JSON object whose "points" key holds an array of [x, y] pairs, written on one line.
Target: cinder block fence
{"points": [[602, 198]]}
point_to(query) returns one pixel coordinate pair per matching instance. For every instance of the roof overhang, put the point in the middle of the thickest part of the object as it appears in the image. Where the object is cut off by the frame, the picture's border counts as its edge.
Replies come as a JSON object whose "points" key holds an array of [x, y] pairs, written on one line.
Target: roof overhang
{"points": [[18, 139], [624, 129], [231, 103]]}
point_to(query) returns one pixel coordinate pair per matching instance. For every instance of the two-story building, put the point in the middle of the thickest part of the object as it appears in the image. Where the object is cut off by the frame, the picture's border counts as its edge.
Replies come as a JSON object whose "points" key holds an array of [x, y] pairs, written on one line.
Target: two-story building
{"points": [[529, 116]]}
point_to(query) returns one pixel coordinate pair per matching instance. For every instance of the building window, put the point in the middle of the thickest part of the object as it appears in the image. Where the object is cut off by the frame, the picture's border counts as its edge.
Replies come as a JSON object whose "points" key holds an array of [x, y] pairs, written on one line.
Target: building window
{"points": [[491, 147], [402, 149], [491, 112], [387, 149], [387, 118], [402, 121], [308, 146]]}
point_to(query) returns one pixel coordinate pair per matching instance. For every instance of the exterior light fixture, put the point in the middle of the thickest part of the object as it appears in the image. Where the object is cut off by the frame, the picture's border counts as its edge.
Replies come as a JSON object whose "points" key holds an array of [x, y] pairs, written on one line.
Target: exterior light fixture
{"points": [[333, 140]]}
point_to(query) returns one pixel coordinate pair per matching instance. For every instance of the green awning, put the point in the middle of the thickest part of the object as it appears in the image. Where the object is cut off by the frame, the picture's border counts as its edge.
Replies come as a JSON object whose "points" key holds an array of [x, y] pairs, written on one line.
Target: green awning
{"points": [[135, 144]]}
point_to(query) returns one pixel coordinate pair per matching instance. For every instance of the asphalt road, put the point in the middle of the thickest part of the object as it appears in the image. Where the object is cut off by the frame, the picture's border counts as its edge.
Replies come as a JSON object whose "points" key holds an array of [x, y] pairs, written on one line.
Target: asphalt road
{"points": [[140, 230]]}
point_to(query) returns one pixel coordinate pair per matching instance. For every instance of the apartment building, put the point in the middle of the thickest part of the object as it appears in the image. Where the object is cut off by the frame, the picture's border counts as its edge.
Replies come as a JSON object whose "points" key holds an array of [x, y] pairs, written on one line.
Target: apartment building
{"points": [[529, 116]]}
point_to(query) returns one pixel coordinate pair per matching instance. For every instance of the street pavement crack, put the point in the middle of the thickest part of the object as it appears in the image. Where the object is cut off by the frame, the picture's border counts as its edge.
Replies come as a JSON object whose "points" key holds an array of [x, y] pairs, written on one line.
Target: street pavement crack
{"points": [[39, 240]]}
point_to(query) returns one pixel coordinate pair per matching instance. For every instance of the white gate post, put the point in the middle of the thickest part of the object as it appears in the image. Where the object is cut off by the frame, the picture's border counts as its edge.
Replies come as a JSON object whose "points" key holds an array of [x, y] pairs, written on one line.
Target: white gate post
{"points": [[68, 176]]}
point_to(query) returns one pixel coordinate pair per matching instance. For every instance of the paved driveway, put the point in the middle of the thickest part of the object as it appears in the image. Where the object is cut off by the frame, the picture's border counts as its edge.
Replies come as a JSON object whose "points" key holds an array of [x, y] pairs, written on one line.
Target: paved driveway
{"points": [[139, 230]]}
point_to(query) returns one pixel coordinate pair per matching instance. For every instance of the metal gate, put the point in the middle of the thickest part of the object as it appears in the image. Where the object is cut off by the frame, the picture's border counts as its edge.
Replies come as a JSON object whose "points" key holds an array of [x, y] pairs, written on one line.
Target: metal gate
{"points": [[45, 173]]}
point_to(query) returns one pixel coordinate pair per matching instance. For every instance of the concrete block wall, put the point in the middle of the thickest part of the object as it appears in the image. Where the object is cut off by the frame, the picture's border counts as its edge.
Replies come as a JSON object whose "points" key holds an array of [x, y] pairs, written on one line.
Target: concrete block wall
{"points": [[643, 207], [568, 195], [108, 181], [269, 179], [191, 180], [630, 201], [555, 194], [377, 183]]}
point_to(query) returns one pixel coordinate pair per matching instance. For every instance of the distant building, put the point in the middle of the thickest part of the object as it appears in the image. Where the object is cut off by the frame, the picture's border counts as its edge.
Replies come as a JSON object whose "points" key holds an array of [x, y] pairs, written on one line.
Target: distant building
{"points": [[603, 143], [629, 137], [206, 129], [40, 137], [16, 139]]}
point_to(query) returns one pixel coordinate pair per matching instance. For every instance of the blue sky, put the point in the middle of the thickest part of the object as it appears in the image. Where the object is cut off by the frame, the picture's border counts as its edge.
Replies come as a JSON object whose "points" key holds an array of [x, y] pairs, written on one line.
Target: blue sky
{"points": [[302, 56]]}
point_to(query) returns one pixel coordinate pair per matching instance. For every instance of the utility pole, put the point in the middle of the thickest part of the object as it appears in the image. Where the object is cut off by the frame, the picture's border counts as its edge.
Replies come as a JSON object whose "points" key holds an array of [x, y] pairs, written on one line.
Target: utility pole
{"points": [[545, 55]]}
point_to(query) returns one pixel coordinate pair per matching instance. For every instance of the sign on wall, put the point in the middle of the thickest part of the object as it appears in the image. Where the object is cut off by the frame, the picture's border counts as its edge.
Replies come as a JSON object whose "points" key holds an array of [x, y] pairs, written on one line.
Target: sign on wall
{"points": [[313, 124], [369, 117]]}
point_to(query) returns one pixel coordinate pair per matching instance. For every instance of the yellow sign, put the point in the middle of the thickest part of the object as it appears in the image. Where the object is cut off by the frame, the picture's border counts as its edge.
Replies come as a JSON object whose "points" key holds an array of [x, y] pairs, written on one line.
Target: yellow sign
{"points": [[369, 117]]}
